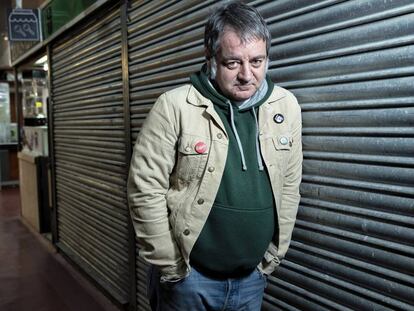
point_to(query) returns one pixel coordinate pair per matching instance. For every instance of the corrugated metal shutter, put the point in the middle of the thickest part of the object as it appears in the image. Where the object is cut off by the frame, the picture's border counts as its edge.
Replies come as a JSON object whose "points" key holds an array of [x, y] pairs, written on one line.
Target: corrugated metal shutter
{"points": [[351, 66], [165, 39], [89, 149], [350, 63], [165, 47]]}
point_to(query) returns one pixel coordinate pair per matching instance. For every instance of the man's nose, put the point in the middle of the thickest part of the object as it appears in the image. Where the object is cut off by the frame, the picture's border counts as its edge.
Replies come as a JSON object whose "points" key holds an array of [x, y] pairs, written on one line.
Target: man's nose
{"points": [[245, 72]]}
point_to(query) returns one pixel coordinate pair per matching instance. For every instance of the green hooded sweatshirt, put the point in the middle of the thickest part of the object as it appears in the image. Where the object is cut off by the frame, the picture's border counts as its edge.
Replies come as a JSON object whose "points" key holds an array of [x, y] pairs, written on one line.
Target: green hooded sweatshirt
{"points": [[241, 223]]}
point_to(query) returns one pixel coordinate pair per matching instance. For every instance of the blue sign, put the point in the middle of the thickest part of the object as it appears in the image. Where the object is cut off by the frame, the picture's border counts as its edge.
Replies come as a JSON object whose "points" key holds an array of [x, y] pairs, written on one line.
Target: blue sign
{"points": [[24, 25]]}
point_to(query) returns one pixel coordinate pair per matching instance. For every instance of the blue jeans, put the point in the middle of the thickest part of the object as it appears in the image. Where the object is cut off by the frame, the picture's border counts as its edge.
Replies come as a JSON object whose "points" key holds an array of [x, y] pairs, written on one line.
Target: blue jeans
{"points": [[198, 292]]}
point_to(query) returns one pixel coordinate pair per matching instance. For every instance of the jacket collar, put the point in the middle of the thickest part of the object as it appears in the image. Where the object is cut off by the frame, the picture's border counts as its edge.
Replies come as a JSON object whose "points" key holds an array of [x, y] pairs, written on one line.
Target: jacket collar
{"points": [[195, 98]]}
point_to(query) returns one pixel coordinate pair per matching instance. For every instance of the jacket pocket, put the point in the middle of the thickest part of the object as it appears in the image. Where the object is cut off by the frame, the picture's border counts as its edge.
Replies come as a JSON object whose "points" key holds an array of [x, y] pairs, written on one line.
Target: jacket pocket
{"points": [[283, 142], [192, 158], [282, 146]]}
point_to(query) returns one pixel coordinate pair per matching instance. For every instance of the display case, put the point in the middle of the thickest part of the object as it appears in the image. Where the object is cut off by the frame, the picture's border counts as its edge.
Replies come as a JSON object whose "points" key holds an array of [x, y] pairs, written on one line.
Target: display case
{"points": [[34, 139], [35, 94], [4, 113], [8, 138]]}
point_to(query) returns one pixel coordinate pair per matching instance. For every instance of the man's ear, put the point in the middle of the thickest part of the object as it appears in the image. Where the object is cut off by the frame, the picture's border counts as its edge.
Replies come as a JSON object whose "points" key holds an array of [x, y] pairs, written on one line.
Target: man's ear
{"points": [[208, 59], [208, 66], [207, 55], [208, 63]]}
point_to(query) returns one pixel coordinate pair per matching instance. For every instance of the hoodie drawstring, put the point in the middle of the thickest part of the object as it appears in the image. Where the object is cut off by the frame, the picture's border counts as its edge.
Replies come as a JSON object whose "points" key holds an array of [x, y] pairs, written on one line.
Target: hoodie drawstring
{"points": [[239, 144], [259, 157], [236, 134]]}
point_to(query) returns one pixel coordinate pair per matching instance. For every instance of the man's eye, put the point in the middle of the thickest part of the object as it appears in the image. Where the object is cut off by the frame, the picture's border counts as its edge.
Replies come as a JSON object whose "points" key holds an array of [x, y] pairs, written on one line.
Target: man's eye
{"points": [[232, 65], [257, 62]]}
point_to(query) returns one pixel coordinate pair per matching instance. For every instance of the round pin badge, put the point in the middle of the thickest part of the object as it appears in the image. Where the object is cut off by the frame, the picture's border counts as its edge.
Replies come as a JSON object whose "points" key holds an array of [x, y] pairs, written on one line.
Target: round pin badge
{"points": [[200, 147], [279, 118]]}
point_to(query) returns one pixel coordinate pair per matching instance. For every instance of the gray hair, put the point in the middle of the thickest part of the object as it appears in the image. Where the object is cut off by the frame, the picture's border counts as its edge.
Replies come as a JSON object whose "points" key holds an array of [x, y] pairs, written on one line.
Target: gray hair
{"points": [[245, 20]]}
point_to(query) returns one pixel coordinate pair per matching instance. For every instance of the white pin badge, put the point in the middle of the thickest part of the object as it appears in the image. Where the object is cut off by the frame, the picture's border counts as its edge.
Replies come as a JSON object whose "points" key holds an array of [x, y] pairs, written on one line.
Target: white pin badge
{"points": [[279, 118]]}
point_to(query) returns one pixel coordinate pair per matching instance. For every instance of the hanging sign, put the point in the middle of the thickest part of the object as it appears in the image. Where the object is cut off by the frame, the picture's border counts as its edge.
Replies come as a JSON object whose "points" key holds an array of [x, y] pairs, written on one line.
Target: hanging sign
{"points": [[24, 25]]}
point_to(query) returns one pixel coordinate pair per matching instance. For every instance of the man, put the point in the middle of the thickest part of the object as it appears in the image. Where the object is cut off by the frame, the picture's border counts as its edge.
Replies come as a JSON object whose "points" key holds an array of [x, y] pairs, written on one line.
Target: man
{"points": [[214, 179]]}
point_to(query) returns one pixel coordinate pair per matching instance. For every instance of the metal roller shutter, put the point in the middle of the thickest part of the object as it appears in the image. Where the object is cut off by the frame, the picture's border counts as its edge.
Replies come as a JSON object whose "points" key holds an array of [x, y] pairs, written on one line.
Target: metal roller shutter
{"points": [[350, 63], [142, 268], [90, 153], [165, 47]]}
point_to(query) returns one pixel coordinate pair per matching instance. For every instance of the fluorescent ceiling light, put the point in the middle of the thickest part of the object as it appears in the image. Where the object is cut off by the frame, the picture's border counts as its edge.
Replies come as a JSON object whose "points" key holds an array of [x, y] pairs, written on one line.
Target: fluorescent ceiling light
{"points": [[41, 60]]}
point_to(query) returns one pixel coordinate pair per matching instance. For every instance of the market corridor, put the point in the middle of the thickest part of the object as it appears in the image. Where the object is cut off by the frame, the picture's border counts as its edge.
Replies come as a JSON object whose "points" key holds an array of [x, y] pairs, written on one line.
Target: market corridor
{"points": [[32, 275]]}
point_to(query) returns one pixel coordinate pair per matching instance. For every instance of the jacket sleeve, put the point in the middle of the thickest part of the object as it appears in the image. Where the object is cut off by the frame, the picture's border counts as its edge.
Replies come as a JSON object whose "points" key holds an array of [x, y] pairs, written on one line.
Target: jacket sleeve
{"points": [[152, 162], [290, 187], [290, 196]]}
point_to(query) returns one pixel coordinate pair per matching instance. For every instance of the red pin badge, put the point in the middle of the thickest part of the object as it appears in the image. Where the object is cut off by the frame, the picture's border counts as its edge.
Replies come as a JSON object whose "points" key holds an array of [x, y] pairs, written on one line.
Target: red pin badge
{"points": [[200, 147]]}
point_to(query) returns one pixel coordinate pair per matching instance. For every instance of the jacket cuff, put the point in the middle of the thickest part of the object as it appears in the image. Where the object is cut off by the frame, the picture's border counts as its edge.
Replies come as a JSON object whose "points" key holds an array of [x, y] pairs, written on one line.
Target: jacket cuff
{"points": [[270, 260], [174, 273]]}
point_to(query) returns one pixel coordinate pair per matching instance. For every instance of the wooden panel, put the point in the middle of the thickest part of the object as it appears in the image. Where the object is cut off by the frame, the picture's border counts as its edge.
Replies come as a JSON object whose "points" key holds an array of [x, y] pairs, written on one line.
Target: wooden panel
{"points": [[28, 190]]}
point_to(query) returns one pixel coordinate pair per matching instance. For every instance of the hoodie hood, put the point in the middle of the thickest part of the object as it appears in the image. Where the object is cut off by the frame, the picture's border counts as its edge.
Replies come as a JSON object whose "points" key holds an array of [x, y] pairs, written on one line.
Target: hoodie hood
{"points": [[202, 83], [207, 88]]}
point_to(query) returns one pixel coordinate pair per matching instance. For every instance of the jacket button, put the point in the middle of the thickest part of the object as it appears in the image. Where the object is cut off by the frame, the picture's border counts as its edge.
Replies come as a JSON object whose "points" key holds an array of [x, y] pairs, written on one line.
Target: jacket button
{"points": [[283, 140], [219, 136], [211, 169], [200, 201], [188, 149], [186, 232]]}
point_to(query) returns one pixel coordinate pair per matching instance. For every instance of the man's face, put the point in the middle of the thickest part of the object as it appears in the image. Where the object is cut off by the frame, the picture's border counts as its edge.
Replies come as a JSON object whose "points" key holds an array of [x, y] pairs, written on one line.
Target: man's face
{"points": [[241, 68]]}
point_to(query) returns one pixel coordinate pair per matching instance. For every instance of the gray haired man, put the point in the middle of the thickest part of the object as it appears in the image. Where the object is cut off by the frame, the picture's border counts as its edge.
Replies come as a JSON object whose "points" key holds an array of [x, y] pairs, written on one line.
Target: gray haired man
{"points": [[214, 179]]}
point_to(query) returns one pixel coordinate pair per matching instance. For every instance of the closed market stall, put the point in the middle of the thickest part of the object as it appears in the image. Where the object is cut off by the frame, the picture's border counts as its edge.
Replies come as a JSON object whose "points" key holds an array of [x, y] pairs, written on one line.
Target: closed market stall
{"points": [[89, 151]]}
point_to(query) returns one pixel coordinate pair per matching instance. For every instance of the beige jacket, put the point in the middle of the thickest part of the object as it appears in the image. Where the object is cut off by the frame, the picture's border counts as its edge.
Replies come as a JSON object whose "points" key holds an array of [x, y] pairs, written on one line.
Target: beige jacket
{"points": [[171, 188]]}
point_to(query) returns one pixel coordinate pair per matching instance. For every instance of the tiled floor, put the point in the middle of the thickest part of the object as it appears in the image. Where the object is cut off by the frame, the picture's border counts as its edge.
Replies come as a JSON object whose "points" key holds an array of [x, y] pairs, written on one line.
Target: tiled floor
{"points": [[32, 276]]}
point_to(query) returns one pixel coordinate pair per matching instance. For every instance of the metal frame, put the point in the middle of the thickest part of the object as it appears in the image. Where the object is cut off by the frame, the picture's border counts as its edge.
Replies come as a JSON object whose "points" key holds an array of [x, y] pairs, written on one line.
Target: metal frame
{"points": [[54, 222], [128, 146], [18, 108], [128, 149], [42, 164]]}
